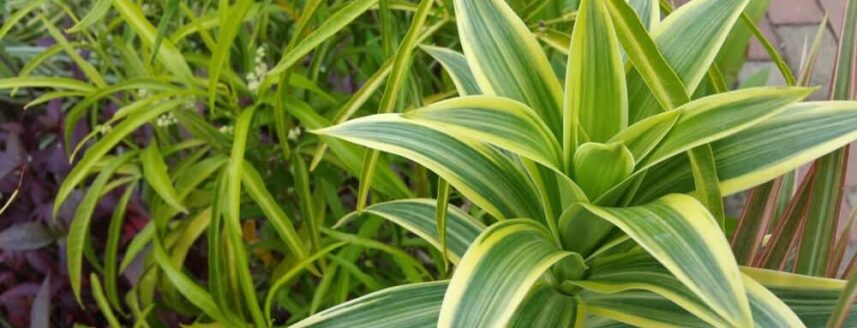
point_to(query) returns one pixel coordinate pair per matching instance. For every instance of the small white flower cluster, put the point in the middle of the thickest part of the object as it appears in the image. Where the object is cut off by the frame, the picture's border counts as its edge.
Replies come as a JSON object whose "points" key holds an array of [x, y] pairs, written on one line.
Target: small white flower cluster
{"points": [[294, 133], [227, 129], [104, 129], [143, 93], [166, 120], [254, 78]]}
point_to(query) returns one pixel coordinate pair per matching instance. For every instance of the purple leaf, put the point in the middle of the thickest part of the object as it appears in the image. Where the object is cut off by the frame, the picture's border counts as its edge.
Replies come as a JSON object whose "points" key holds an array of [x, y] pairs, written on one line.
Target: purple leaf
{"points": [[25, 237]]}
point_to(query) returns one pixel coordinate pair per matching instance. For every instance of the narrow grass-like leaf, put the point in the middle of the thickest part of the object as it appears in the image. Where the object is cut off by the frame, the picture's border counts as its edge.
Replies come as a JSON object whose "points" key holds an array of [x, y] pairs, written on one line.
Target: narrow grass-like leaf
{"points": [[45, 82], [185, 285], [335, 23], [101, 300], [112, 247], [155, 172], [85, 66], [168, 54], [390, 98], [96, 13], [496, 274], [79, 228], [255, 186], [103, 146], [233, 214], [231, 18]]}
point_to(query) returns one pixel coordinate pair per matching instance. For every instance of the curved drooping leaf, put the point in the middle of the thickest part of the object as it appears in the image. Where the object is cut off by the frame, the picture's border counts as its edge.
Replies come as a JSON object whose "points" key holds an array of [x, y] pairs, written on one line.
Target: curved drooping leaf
{"points": [[418, 216], [479, 172], [156, 174], [546, 307], [500, 48], [255, 186], [496, 274], [187, 287], [688, 47], [596, 97], [612, 275], [813, 299], [406, 306], [797, 135], [78, 231], [169, 56], [103, 146], [456, 65], [336, 22], [498, 121], [676, 230], [717, 116], [637, 308]]}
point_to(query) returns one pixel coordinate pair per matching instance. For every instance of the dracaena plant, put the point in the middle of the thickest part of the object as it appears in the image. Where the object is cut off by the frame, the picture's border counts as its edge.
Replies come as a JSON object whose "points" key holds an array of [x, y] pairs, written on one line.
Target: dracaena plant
{"points": [[605, 182]]}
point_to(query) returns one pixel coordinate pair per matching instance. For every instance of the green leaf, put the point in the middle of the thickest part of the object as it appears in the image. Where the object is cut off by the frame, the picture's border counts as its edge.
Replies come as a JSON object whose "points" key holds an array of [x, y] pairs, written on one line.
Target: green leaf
{"points": [[496, 274], [234, 172], [418, 217], [456, 65], [764, 151], [45, 82], [350, 156], [333, 24], [187, 287], [500, 48], [255, 186], [648, 11], [111, 252], [676, 230], [168, 54], [590, 171], [714, 117], [596, 98], [231, 19], [479, 172], [644, 135], [617, 274], [498, 121], [390, 98], [706, 182], [99, 9], [638, 309], [155, 172], [78, 231], [406, 306], [103, 146], [688, 47], [101, 300], [544, 306], [813, 299]]}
